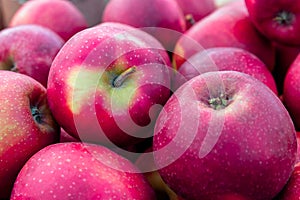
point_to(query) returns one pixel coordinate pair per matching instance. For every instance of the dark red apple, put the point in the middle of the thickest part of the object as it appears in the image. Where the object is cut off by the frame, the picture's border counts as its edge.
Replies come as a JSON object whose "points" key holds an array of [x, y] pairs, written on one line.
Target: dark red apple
{"points": [[228, 26], [29, 50], [61, 16], [278, 20], [26, 125], [224, 59], [106, 80], [291, 91], [225, 134], [80, 171], [162, 18]]}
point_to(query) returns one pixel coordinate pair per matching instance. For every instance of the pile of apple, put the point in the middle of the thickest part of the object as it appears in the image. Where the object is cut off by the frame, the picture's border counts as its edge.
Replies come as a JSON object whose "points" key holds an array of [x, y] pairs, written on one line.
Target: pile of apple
{"points": [[163, 99]]}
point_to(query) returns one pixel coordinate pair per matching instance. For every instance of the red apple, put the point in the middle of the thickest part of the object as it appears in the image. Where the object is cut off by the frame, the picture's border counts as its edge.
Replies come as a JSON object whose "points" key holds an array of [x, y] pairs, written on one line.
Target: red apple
{"points": [[292, 189], [80, 171], [29, 50], [225, 59], [276, 19], [61, 16], [26, 125], [158, 17], [291, 91], [228, 26], [106, 80], [224, 134], [195, 10]]}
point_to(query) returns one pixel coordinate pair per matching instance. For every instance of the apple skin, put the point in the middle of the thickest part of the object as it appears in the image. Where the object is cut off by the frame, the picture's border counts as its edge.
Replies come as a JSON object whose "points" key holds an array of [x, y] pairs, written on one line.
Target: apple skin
{"points": [[165, 24], [238, 141], [81, 84], [29, 50], [80, 171], [61, 16], [225, 59], [278, 20], [291, 91], [195, 10], [24, 130], [228, 26]]}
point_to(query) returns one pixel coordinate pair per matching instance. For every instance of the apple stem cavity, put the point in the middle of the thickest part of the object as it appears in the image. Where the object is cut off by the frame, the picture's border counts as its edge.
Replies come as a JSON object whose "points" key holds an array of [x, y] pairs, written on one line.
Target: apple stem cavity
{"points": [[219, 103], [284, 18], [8, 65], [190, 19], [119, 80], [36, 114]]}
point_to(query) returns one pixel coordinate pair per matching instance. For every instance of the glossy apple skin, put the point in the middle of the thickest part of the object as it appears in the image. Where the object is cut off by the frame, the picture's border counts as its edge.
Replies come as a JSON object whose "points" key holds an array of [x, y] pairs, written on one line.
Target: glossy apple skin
{"points": [[228, 26], [151, 14], [225, 59], [291, 91], [60, 16], [81, 77], [29, 50], [21, 135], [196, 9], [80, 171], [247, 148], [263, 15]]}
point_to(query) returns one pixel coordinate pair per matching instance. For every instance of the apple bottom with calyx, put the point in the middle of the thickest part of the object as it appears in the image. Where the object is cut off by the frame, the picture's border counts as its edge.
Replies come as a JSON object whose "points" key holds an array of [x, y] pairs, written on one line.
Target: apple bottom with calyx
{"points": [[225, 133], [80, 171], [26, 125]]}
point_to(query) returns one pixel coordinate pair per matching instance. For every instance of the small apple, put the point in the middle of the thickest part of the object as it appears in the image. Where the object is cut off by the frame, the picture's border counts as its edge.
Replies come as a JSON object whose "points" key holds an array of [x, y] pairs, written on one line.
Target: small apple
{"points": [[195, 10], [26, 125], [291, 91], [29, 50], [158, 17], [106, 80], [80, 171], [224, 134], [278, 20], [228, 26], [225, 59], [61, 16]]}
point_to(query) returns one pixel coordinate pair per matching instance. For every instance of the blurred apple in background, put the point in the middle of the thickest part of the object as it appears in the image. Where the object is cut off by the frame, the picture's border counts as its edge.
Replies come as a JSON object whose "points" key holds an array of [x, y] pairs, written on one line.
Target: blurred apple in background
{"points": [[291, 91], [107, 80], [26, 125], [195, 10], [278, 20], [160, 16], [61, 16], [29, 50], [228, 26], [80, 171], [224, 59], [225, 133]]}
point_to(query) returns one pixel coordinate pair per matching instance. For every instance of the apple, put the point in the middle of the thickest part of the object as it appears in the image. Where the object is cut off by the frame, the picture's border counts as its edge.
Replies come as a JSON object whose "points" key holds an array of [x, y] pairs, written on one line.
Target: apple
{"points": [[224, 134], [291, 91], [107, 81], [195, 10], [225, 59], [26, 125], [29, 50], [61, 16], [66, 137], [162, 18], [278, 20], [80, 171], [228, 26], [221, 3]]}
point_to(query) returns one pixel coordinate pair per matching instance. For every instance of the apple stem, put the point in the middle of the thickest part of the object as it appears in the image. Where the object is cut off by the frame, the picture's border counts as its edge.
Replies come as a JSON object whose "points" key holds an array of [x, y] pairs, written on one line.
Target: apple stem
{"points": [[121, 78], [218, 103], [36, 115], [190, 19], [284, 18]]}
